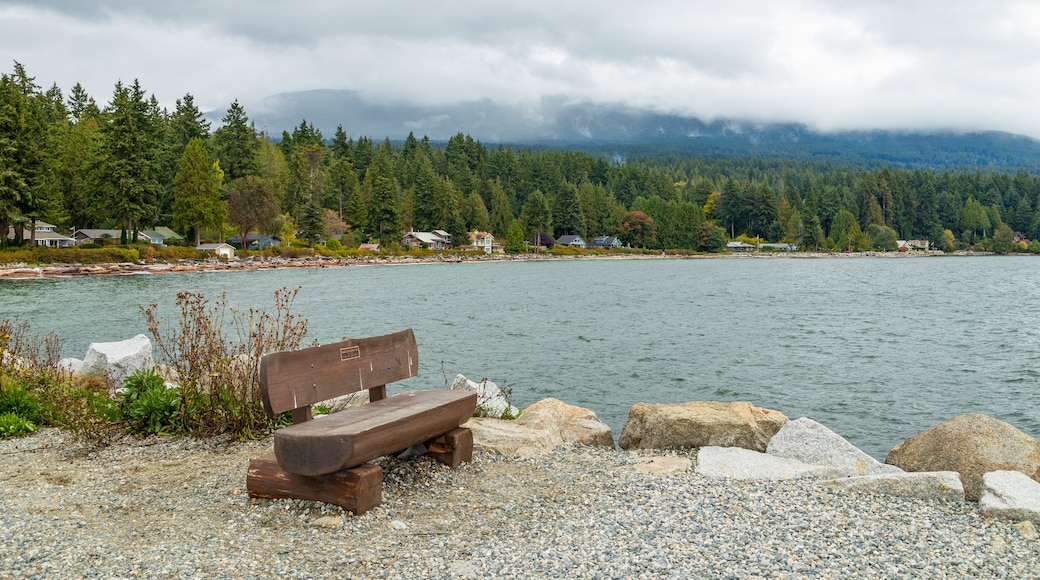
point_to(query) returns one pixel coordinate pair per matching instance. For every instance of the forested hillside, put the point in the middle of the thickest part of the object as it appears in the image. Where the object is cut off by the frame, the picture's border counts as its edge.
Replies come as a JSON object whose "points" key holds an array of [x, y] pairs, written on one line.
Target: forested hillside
{"points": [[133, 165]]}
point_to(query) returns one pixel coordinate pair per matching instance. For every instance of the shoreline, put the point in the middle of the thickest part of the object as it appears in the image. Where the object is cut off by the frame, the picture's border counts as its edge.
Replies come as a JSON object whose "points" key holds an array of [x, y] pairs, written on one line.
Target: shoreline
{"points": [[163, 507], [22, 271]]}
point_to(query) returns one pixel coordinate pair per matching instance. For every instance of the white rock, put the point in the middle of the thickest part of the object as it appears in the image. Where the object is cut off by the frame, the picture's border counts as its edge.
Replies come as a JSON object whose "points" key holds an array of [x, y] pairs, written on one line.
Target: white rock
{"points": [[932, 485], [810, 442], [1010, 495], [740, 463], [489, 396], [118, 360]]}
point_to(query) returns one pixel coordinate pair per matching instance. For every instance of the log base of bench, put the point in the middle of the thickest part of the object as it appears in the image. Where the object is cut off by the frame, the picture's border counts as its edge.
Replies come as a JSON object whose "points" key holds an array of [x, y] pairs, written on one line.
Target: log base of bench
{"points": [[453, 448], [357, 489]]}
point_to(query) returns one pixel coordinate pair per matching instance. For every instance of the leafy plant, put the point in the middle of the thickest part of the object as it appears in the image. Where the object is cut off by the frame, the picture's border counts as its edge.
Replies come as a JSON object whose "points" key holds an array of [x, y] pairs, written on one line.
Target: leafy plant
{"points": [[148, 404], [18, 401], [12, 425]]}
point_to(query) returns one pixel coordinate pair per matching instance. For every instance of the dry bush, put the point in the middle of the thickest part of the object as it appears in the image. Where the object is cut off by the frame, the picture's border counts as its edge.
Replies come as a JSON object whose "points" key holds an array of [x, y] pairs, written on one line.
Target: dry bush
{"points": [[215, 351]]}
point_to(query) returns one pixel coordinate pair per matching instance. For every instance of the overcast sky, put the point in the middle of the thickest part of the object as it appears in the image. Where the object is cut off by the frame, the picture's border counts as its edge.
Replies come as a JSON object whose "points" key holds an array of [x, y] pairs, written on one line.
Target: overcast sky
{"points": [[831, 64]]}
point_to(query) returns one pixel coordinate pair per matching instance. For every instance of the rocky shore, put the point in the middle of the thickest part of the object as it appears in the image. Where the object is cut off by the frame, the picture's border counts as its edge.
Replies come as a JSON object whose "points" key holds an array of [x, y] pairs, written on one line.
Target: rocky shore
{"points": [[21, 270], [163, 508]]}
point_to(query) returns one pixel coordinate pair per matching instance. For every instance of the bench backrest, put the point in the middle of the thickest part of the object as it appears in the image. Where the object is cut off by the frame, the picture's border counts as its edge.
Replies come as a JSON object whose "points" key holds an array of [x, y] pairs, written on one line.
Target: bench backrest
{"points": [[294, 380]]}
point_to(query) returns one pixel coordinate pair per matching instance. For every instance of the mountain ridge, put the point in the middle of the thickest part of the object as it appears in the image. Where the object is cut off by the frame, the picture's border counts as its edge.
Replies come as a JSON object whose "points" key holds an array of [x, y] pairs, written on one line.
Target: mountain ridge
{"points": [[621, 131]]}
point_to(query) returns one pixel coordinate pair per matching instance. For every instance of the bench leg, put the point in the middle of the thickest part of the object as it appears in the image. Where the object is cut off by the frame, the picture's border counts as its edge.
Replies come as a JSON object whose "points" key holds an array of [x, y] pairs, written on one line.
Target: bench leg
{"points": [[357, 489], [453, 448]]}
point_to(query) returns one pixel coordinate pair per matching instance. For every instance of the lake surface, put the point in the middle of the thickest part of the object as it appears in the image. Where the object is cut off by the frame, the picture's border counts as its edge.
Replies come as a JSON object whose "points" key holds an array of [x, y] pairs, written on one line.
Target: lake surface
{"points": [[876, 349]]}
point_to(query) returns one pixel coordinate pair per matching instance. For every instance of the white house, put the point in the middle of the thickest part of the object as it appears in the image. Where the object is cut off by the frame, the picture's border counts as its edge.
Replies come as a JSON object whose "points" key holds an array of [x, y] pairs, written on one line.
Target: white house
{"points": [[428, 240], [44, 235], [482, 241], [221, 250]]}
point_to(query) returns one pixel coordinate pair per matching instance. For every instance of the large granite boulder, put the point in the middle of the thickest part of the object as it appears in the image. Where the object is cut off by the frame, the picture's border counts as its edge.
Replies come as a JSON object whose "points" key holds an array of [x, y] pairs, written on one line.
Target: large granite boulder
{"points": [[574, 424], [504, 437], [745, 464], [1010, 495], [972, 445], [930, 485], [700, 424], [810, 442], [118, 360], [542, 427]]}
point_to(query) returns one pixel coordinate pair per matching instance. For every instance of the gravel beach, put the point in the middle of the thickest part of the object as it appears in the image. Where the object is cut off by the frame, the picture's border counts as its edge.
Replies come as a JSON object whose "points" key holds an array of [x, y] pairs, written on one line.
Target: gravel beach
{"points": [[177, 508]]}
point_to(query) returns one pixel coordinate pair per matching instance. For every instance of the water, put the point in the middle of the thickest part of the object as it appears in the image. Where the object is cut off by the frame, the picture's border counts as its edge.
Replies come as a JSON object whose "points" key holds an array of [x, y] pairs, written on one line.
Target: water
{"points": [[876, 349]]}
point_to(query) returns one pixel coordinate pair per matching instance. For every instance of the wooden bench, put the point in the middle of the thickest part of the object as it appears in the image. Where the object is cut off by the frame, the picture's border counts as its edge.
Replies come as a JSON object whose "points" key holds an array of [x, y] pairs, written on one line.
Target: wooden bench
{"points": [[325, 458]]}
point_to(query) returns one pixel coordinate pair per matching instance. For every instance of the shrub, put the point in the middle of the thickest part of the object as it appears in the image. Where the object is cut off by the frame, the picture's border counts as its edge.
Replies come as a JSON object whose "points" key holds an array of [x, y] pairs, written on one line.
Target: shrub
{"points": [[148, 405], [25, 352], [18, 401], [219, 378], [12, 425]]}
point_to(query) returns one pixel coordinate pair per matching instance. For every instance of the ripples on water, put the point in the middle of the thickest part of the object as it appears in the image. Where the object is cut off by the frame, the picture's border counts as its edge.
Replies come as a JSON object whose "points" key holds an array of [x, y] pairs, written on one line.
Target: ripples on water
{"points": [[876, 349]]}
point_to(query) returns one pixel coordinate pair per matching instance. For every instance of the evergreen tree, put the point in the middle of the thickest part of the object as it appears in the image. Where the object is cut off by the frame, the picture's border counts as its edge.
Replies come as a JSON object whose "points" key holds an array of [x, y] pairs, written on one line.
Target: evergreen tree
{"points": [[308, 180], [476, 215], [501, 214], [129, 164], [344, 182], [514, 237], [341, 145], [384, 218], [235, 144], [81, 105], [427, 187], [197, 203], [272, 167], [26, 192], [536, 215], [567, 216]]}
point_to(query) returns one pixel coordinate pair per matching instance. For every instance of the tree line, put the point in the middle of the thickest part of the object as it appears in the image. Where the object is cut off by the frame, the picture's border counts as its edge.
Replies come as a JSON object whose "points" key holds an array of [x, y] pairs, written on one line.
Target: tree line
{"points": [[133, 165]]}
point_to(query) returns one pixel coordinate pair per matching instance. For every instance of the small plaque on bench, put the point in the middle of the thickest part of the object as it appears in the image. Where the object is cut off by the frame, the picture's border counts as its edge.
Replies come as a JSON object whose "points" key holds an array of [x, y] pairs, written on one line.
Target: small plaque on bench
{"points": [[349, 353]]}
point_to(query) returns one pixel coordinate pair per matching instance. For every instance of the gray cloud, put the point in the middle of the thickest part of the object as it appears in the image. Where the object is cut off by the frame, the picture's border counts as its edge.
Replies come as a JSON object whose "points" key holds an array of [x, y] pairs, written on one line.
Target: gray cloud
{"points": [[831, 64]]}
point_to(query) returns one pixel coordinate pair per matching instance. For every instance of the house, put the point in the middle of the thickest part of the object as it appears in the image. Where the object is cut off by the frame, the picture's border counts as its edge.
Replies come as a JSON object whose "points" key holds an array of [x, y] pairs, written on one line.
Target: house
{"points": [[221, 250], [255, 241], [160, 236], [738, 246], [481, 241], [44, 235], [91, 236], [444, 236], [778, 247], [606, 242], [369, 247], [426, 240], [569, 240]]}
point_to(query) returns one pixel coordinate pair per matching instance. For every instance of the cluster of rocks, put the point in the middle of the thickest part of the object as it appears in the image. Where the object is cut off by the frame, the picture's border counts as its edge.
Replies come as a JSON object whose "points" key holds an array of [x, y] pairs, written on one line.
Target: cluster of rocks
{"points": [[971, 457]]}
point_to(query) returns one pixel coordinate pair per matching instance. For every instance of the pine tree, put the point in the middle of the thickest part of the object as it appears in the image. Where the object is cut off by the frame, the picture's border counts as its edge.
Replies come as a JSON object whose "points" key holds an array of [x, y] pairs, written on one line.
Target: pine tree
{"points": [[130, 160], [383, 214], [236, 144], [197, 202], [501, 213]]}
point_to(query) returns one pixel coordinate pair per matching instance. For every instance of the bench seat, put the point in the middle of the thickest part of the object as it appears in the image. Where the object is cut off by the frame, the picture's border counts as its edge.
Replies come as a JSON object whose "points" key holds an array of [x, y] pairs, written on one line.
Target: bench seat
{"points": [[351, 437]]}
